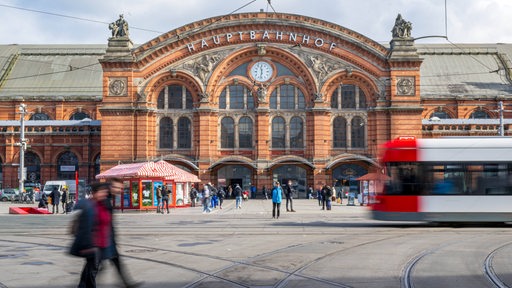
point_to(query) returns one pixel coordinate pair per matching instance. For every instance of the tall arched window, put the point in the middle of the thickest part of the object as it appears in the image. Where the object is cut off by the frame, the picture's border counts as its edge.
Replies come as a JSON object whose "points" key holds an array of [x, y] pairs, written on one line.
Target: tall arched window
{"points": [[174, 97], [339, 132], [287, 97], [278, 132], [479, 114], [67, 165], [227, 132], [296, 133], [184, 133], [348, 96], [40, 116], [245, 132], [79, 116], [33, 166], [166, 133], [236, 97], [357, 132]]}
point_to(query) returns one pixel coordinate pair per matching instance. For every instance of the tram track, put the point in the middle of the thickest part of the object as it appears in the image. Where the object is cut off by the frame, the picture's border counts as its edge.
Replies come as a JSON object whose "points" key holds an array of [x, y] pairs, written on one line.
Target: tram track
{"points": [[216, 275], [488, 269]]}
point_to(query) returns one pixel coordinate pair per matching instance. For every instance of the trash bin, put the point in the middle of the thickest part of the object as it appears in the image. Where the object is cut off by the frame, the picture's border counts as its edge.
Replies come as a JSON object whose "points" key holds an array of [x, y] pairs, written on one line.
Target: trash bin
{"points": [[351, 199]]}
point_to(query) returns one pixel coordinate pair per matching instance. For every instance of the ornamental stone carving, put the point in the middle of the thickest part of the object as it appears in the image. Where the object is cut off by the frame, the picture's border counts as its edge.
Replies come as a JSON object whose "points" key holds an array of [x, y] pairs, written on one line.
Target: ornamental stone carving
{"points": [[117, 87], [405, 86], [402, 28], [320, 65], [119, 27]]}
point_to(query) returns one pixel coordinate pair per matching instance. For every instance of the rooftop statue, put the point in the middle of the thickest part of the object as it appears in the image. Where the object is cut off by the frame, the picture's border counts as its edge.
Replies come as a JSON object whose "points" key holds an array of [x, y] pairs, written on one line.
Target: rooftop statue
{"points": [[119, 27], [402, 28]]}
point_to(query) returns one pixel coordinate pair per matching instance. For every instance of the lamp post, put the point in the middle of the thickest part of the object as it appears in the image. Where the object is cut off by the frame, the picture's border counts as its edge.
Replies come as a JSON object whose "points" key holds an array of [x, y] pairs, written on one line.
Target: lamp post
{"points": [[23, 147]]}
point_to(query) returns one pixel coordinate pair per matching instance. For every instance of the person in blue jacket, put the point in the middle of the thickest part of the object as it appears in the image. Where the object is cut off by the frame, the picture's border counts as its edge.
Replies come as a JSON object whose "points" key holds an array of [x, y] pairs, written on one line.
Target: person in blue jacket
{"points": [[277, 197]]}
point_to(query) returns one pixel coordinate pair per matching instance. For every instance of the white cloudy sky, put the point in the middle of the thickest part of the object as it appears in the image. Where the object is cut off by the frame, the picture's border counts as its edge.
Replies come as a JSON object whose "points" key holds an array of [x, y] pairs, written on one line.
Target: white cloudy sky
{"points": [[469, 21]]}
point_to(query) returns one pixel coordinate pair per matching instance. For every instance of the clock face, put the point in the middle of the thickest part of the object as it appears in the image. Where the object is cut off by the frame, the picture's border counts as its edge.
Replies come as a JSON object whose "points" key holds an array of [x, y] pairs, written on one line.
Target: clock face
{"points": [[261, 71]]}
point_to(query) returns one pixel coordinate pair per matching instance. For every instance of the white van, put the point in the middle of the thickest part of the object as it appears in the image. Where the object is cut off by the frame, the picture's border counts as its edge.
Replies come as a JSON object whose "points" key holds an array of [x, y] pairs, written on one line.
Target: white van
{"points": [[69, 184]]}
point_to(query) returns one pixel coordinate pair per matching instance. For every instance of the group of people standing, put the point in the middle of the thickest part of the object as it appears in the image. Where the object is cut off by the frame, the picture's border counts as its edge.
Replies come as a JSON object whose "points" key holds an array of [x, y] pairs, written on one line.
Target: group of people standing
{"points": [[277, 197], [162, 195], [94, 233], [57, 198]]}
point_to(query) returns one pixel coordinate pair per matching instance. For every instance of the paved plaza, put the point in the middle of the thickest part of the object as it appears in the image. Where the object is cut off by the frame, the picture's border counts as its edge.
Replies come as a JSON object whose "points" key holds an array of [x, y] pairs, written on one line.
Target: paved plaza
{"points": [[186, 248]]}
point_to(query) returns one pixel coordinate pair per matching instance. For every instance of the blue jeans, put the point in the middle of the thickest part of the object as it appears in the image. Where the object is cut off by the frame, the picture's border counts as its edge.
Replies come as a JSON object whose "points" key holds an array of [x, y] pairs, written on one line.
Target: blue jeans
{"points": [[206, 202], [238, 202]]}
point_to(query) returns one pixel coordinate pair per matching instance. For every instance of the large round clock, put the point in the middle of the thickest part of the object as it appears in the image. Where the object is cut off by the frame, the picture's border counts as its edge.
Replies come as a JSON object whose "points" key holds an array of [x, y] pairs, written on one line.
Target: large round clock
{"points": [[261, 71]]}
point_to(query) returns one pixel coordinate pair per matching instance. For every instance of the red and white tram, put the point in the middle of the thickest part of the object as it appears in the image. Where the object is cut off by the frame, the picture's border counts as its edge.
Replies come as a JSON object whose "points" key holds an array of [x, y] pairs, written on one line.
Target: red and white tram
{"points": [[467, 179]]}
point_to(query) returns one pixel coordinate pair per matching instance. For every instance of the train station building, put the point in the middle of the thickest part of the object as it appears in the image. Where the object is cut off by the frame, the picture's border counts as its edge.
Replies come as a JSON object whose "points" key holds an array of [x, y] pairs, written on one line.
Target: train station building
{"points": [[245, 98]]}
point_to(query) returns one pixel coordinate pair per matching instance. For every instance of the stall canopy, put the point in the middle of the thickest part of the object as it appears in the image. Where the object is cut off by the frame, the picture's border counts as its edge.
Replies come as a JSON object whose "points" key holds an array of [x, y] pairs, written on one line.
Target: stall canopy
{"points": [[133, 170], [373, 176], [176, 174], [160, 169]]}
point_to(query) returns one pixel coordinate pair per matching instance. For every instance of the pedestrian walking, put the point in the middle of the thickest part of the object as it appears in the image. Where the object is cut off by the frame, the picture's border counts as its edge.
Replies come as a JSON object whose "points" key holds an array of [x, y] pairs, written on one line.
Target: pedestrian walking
{"points": [[158, 198], [64, 200], [92, 233], [165, 200], [289, 196], [116, 188], [238, 196], [221, 195], [55, 197], [206, 199], [277, 197], [265, 192], [193, 195]]}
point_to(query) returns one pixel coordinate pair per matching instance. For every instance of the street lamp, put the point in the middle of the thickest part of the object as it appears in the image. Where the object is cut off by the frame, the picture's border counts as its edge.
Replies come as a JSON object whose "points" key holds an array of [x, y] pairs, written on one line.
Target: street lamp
{"points": [[23, 147]]}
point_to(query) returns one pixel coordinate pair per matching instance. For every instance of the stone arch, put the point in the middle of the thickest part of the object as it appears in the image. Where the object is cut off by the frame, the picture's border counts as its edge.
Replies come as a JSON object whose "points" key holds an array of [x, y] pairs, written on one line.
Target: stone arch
{"points": [[240, 160], [428, 113], [368, 85], [156, 84], [291, 158], [236, 80], [283, 80], [348, 157], [78, 110]]}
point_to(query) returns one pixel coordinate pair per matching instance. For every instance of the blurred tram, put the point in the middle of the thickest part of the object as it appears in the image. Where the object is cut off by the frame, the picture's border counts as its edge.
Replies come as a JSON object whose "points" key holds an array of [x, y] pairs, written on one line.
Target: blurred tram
{"points": [[466, 179]]}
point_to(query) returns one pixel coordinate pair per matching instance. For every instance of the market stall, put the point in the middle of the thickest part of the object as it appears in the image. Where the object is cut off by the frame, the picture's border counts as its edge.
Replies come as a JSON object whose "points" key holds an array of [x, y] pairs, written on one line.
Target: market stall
{"points": [[369, 185], [141, 181]]}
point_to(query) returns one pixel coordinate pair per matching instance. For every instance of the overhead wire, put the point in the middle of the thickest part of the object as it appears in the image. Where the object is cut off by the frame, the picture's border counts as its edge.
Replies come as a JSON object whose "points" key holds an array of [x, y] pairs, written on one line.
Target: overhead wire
{"points": [[95, 21]]}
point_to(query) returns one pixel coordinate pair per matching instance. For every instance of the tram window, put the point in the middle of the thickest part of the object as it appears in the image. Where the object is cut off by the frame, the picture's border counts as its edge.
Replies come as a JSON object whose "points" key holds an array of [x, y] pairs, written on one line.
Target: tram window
{"points": [[405, 179]]}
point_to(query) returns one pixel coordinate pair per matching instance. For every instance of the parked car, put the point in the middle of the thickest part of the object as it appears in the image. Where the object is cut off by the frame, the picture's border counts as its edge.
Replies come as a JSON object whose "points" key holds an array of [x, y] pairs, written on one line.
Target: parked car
{"points": [[8, 194]]}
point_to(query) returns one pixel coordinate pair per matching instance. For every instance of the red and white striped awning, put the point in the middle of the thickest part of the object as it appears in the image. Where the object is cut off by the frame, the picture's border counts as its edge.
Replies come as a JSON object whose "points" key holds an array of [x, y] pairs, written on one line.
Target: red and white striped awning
{"points": [[160, 169], [176, 174], [133, 170]]}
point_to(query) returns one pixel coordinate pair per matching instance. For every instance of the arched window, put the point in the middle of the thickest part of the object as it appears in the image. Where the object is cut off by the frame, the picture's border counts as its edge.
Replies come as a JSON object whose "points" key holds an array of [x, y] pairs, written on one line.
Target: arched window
{"points": [[184, 133], [357, 132], [67, 165], [236, 97], [79, 116], [296, 133], [166, 133], [174, 97], [348, 96], [334, 99], [479, 114], [40, 116], [33, 166], [339, 132], [278, 132], [245, 132], [227, 132], [287, 97], [440, 115], [222, 100]]}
